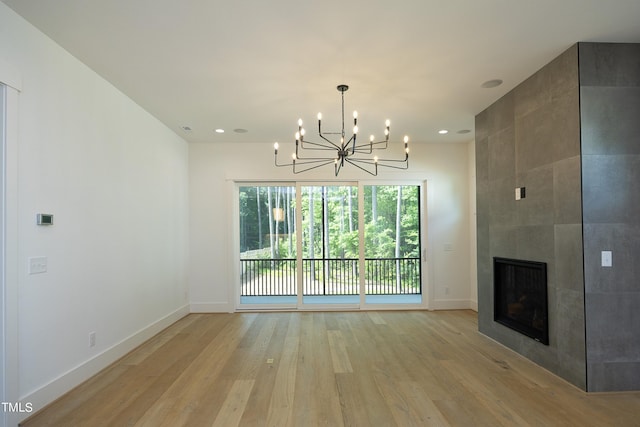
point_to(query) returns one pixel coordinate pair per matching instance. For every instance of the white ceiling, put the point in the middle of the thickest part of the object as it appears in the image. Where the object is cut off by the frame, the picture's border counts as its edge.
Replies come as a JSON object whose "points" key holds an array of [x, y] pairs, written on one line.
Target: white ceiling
{"points": [[260, 65]]}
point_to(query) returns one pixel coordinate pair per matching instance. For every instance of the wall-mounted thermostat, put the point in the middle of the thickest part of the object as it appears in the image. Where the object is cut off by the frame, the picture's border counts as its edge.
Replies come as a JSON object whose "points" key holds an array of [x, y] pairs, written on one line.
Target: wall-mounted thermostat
{"points": [[45, 219]]}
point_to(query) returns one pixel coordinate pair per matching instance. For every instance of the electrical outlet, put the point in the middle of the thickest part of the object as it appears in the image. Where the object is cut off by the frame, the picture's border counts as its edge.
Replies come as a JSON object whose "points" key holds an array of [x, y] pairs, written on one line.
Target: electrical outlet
{"points": [[92, 339]]}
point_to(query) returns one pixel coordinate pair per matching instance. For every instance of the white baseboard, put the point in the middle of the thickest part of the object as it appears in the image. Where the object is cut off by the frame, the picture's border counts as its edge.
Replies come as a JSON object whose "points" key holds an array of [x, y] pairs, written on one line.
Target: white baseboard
{"points": [[451, 304], [74, 377], [211, 307]]}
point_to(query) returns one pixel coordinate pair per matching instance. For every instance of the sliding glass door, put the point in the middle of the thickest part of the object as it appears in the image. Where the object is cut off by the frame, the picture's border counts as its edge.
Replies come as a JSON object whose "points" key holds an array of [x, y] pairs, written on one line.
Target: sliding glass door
{"points": [[341, 245]]}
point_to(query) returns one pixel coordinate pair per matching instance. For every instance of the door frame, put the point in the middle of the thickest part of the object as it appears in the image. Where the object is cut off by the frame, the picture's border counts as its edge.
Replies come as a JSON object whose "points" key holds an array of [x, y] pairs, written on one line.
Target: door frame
{"points": [[425, 251], [9, 383]]}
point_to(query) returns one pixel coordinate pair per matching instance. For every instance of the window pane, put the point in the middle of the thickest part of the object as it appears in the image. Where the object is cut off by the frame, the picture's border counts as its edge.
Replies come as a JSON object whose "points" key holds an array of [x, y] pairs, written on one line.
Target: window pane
{"points": [[392, 239], [267, 240], [330, 240], [267, 221]]}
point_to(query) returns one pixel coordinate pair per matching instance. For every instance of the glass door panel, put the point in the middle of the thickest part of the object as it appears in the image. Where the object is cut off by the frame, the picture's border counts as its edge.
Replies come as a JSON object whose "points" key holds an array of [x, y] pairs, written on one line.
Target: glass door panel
{"points": [[268, 273], [392, 244], [330, 244]]}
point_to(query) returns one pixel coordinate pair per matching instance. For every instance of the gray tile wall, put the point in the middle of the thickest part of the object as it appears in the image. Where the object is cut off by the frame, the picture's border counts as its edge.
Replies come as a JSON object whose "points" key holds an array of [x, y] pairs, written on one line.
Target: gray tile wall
{"points": [[531, 138], [610, 115], [570, 134]]}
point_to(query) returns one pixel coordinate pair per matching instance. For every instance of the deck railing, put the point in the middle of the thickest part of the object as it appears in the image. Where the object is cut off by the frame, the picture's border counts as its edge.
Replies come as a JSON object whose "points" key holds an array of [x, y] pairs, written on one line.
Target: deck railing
{"points": [[334, 276]]}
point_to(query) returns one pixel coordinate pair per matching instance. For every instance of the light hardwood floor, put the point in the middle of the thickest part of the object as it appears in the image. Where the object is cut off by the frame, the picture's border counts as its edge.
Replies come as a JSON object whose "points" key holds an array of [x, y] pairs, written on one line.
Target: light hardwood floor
{"points": [[412, 368]]}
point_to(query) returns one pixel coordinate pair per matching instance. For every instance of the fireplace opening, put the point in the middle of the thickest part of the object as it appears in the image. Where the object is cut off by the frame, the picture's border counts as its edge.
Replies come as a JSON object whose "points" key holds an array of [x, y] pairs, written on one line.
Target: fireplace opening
{"points": [[520, 297]]}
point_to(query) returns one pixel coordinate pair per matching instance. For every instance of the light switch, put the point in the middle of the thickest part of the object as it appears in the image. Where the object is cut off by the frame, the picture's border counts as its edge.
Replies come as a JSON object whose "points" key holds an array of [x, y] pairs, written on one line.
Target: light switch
{"points": [[606, 259], [37, 265]]}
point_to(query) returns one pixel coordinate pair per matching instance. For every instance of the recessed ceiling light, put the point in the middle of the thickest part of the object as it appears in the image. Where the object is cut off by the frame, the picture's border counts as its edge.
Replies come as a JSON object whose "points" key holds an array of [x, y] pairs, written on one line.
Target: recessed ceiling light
{"points": [[463, 131], [239, 130], [219, 130], [443, 131], [491, 83]]}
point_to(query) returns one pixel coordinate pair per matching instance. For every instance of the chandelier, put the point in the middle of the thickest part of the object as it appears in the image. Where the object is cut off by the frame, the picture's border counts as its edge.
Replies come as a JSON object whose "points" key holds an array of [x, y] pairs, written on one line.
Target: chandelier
{"points": [[343, 151]]}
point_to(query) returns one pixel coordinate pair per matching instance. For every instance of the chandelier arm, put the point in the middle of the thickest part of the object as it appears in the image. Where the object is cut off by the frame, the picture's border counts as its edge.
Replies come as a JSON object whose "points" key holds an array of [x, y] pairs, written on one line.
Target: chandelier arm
{"points": [[322, 146], [354, 162], [306, 161], [333, 144], [315, 159], [316, 149], [382, 162], [351, 140], [405, 167], [406, 158], [311, 167], [385, 142], [371, 146], [280, 165]]}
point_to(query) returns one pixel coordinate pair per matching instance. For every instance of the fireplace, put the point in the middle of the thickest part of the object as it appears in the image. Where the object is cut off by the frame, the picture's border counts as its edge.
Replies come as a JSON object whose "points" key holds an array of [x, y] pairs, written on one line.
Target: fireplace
{"points": [[520, 297]]}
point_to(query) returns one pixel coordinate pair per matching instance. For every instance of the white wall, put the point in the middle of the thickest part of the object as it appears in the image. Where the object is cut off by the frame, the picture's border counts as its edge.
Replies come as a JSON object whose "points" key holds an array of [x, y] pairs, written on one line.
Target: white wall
{"points": [[116, 181], [138, 215], [213, 168]]}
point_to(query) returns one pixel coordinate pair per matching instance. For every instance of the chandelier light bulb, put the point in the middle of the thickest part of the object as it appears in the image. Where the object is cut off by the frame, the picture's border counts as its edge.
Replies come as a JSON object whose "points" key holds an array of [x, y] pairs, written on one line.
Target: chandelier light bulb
{"points": [[319, 116], [297, 136], [371, 138], [293, 156], [387, 123], [406, 139], [355, 130], [276, 146], [355, 114], [302, 132], [299, 122], [375, 159]]}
